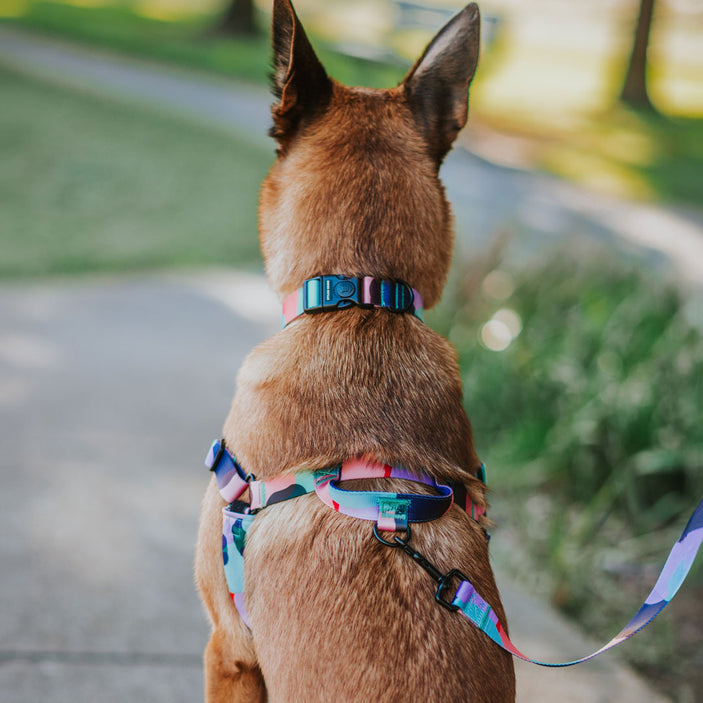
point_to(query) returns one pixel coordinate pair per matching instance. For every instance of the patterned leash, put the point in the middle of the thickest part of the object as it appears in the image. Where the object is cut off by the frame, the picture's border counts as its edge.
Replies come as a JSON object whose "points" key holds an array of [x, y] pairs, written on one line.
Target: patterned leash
{"points": [[475, 608]]}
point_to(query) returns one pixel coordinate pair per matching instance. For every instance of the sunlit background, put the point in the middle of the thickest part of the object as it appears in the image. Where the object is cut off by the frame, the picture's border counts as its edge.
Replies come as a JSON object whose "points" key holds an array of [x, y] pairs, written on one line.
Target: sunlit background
{"points": [[133, 139]]}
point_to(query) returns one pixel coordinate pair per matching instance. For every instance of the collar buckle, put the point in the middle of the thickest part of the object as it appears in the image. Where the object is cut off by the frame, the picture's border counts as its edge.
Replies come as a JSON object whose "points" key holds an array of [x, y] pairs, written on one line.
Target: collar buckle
{"points": [[325, 293]]}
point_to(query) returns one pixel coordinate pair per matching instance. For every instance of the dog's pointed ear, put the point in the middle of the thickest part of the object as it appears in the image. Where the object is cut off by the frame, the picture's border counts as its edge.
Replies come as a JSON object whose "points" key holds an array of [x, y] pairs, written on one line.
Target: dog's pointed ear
{"points": [[299, 81], [437, 86]]}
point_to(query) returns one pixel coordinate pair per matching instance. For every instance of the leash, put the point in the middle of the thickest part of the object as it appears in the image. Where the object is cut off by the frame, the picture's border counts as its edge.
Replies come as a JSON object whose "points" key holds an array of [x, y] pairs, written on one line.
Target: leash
{"points": [[470, 604]]}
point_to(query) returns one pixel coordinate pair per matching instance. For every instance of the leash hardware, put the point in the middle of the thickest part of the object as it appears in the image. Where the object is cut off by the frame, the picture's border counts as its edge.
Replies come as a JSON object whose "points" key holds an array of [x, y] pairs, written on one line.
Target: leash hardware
{"points": [[325, 293], [397, 541], [444, 584], [444, 580]]}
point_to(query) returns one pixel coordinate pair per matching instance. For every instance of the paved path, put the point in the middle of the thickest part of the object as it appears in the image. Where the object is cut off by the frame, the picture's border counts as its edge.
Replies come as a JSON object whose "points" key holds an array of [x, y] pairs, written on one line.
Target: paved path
{"points": [[536, 208], [110, 391]]}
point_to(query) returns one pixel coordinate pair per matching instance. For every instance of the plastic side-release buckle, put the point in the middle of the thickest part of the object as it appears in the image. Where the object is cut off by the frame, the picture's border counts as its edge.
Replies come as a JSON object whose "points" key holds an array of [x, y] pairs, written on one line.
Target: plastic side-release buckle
{"points": [[325, 293]]}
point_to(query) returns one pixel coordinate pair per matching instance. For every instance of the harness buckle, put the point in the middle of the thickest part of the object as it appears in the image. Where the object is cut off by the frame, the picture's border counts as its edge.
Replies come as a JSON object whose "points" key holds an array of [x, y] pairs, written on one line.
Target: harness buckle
{"points": [[325, 293]]}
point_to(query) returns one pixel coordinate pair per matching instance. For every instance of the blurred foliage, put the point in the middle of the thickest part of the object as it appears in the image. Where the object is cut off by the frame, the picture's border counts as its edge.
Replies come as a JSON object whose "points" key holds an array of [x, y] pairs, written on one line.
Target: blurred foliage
{"points": [[595, 142], [590, 421], [628, 153], [188, 40], [93, 186]]}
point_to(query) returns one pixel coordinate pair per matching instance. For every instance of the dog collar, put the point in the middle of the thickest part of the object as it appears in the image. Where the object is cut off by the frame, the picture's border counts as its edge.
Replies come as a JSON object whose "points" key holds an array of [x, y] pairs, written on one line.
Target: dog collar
{"points": [[326, 293]]}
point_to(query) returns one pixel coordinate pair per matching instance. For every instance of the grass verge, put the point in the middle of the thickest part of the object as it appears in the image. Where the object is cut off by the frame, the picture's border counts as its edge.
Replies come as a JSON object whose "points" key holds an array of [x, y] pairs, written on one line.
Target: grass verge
{"points": [[93, 186]]}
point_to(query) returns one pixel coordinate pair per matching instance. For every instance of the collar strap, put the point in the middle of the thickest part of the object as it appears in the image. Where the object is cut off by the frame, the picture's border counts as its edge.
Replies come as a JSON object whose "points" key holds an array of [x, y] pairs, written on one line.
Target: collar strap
{"points": [[326, 293], [390, 511]]}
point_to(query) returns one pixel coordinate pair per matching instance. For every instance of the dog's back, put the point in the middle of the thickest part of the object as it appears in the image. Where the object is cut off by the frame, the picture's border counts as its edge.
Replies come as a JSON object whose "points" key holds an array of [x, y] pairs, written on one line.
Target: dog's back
{"points": [[335, 615]]}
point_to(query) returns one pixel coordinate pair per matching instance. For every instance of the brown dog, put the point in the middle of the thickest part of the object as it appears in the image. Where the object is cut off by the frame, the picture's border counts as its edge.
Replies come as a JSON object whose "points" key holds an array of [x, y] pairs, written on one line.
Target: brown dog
{"points": [[335, 615]]}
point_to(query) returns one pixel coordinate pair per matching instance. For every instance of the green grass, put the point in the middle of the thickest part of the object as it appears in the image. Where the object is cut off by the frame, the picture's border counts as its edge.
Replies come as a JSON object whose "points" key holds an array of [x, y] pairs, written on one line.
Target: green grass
{"points": [[93, 186], [119, 27], [630, 154]]}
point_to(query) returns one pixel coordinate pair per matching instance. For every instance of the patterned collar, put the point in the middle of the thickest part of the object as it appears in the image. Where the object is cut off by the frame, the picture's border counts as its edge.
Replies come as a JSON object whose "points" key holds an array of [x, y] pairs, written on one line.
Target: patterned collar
{"points": [[327, 293]]}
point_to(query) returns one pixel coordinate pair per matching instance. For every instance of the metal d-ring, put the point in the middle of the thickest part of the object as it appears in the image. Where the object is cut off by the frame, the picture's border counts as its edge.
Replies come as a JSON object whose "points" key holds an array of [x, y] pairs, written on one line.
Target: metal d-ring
{"points": [[397, 541]]}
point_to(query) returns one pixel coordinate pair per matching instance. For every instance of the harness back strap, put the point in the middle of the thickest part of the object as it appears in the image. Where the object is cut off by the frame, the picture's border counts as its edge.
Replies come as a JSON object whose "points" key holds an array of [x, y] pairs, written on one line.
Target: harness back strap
{"points": [[390, 511]]}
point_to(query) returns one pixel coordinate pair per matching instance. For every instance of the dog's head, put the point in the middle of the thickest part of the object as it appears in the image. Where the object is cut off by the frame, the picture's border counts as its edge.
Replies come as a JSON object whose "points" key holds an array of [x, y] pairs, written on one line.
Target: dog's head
{"points": [[355, 187]]}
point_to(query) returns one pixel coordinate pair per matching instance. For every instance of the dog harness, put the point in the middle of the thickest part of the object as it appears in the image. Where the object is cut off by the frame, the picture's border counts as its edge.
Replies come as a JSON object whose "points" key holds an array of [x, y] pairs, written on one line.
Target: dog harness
{"points": [[389, 511], [395, 512]]}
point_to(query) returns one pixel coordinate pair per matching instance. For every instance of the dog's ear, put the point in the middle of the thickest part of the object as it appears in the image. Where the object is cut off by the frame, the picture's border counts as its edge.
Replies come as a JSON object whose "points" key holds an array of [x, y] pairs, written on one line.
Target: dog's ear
{"points": [[437, 86], [300, 84]]}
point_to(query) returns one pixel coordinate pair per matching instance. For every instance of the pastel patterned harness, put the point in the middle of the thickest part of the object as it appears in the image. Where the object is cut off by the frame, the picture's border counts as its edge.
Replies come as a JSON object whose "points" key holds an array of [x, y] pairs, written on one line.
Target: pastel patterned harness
{"points": [[395, 512], [390, 511]]}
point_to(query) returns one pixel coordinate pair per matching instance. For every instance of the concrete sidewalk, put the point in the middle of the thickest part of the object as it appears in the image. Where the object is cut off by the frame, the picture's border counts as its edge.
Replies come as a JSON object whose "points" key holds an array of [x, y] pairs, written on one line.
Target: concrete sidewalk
{"points": [[110, 391]]}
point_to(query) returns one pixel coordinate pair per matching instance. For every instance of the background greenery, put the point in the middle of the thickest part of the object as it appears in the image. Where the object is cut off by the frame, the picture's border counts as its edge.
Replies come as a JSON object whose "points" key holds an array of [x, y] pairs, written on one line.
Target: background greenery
{"points": [[93, 186], [557, 102], [590, 424]]}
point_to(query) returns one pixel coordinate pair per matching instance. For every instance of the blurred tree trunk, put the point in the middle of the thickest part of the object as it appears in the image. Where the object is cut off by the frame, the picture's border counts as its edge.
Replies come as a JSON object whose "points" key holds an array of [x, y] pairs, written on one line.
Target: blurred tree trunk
{"points": [[238, 19], [634, 89]]}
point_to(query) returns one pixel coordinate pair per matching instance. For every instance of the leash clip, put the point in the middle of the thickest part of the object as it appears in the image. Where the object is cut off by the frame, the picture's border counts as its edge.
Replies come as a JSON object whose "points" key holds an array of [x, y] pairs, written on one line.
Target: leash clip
{"points": [[444, 584], [444, 581]]}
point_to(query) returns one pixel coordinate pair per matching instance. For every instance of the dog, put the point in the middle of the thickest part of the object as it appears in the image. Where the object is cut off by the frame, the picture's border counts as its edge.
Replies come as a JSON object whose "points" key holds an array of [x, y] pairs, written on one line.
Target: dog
{"points": [[332, 613]]}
